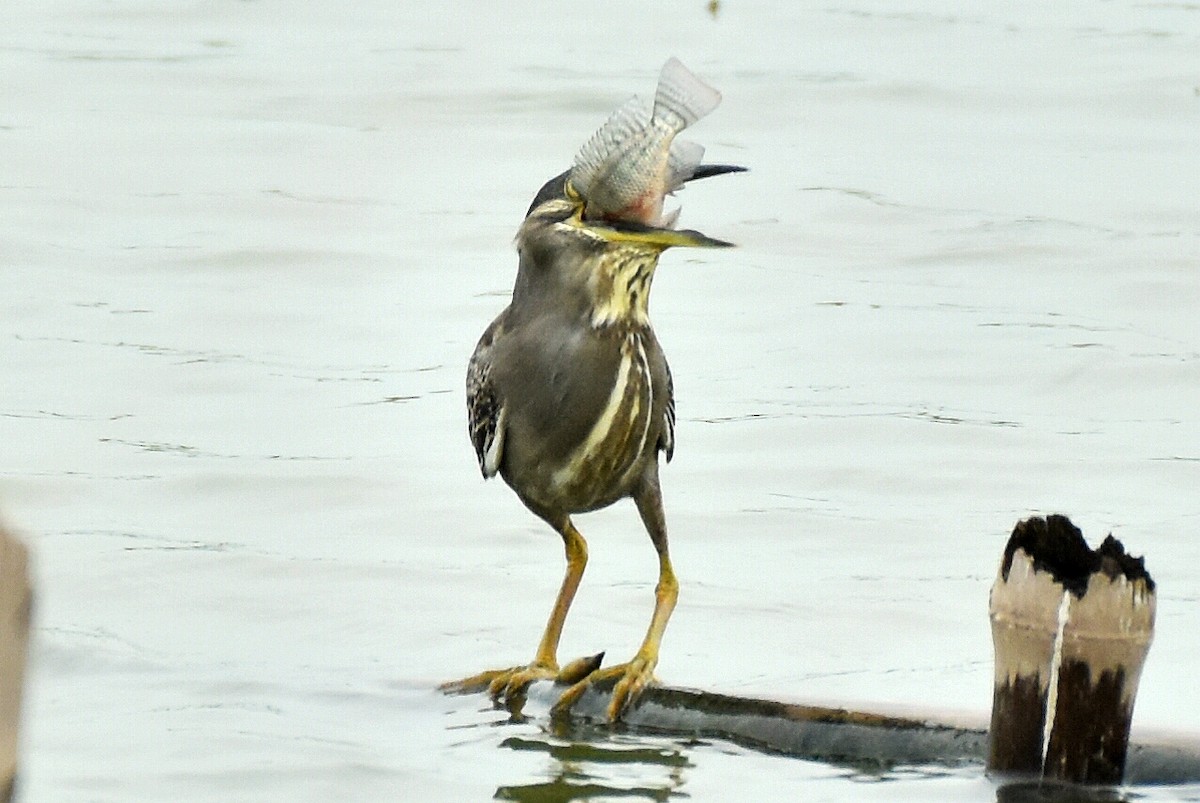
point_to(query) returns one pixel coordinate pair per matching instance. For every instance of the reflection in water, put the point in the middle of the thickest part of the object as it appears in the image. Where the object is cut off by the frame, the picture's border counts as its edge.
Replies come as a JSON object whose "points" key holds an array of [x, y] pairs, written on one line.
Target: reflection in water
{"points": [[588, 761], [592, 761], [1034, 791]]}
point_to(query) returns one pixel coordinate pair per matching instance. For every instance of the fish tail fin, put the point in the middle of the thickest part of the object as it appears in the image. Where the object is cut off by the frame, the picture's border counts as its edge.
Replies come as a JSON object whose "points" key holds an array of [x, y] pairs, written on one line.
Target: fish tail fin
{"points": [[682, 98], [626, 122], [682, 161]]}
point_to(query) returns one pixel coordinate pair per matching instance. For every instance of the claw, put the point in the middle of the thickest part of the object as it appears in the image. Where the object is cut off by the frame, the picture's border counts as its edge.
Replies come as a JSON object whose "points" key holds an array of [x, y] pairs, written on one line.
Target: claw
{"points": [[472, 684], [631, 680], [515, 683], [501, 684], [638, 674], [508, 686], [562, 706]]}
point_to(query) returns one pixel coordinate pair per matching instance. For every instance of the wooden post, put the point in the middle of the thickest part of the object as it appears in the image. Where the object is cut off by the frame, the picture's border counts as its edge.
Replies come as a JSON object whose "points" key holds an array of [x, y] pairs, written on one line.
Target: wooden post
{"points": [[1071, 628], [15, 598], [1024, 613]]}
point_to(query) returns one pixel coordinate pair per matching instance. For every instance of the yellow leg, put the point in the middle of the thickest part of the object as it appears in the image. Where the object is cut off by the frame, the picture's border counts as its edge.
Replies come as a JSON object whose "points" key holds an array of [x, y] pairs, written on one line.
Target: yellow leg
{"points": [[577, 555], [631, 678], [509, 684]]}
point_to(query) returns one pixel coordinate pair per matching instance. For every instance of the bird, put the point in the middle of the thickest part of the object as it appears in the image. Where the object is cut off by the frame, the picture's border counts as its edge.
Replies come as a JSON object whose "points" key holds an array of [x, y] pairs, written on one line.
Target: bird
{"points": [[571, 401]]}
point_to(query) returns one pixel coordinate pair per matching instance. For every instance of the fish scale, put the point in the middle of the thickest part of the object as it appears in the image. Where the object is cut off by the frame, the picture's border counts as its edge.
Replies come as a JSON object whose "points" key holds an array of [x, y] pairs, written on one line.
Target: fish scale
{"points": [[626, 169]]}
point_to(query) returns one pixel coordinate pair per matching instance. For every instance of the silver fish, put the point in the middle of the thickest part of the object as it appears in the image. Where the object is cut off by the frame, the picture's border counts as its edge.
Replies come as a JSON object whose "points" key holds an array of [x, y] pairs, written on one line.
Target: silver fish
{"points": [[627, 168]]}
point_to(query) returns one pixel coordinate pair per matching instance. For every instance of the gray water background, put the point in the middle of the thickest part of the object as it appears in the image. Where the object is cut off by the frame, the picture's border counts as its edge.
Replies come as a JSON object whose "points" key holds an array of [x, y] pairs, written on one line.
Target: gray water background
{"points": [[246, 249]]}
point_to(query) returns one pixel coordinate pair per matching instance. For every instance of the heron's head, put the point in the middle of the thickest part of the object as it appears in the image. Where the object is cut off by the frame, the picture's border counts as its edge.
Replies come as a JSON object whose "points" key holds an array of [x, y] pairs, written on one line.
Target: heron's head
{"points": [[606, 265]]}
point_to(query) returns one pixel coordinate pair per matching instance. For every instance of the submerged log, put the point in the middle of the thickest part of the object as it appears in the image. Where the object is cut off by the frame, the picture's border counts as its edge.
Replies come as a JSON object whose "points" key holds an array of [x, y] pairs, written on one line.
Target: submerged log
{"points": [[868, 741], [15, 598], [864, 739], [1071, 628]]}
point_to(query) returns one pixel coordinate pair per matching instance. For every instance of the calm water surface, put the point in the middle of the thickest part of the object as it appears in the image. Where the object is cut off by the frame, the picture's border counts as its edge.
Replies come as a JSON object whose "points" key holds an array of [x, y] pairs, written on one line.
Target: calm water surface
{"points": [[247, 248]]}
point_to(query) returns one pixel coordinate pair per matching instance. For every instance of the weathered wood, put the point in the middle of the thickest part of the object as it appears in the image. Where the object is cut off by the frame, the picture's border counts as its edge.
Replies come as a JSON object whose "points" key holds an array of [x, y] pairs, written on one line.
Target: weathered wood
{"points": [[15, 600], [1105, 639], [866, 740], [1071, 628], [837, 735], [1024, 613]]}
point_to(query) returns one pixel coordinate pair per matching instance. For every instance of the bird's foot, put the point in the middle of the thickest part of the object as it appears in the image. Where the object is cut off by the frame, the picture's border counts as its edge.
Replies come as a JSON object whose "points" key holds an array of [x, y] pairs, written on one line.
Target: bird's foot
{"points": [[630, 679], [508, 686]]}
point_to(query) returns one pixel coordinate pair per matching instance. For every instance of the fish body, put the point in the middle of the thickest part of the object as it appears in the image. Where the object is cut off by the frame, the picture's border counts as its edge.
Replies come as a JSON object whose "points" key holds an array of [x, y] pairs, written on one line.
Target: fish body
{"points": [[627, 168]]}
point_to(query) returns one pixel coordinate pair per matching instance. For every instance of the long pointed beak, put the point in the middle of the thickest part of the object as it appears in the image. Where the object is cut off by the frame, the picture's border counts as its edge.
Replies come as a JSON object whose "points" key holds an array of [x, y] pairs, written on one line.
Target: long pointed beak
{"points": [[556, 187], [705, 171], [624, 232]]}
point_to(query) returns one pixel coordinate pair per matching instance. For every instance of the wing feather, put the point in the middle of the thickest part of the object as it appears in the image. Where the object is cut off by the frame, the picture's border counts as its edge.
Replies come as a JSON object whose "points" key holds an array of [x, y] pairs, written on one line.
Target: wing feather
{"points": [[666, 441], [485, 409]]}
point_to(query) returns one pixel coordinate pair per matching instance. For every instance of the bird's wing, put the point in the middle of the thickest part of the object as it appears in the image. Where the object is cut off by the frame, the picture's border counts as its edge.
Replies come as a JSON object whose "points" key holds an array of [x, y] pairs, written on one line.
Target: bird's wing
{"points": [[485, 409], [666, 441]]}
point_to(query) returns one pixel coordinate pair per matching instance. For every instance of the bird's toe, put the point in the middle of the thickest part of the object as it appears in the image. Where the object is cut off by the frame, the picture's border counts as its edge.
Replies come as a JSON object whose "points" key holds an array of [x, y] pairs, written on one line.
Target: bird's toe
{"points": [[472, 684], [508, 686], [638, 674], [627, 682]]}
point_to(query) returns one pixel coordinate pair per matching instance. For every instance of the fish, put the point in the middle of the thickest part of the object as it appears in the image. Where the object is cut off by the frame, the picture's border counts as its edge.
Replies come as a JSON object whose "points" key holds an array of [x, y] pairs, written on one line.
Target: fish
{"points": [[624, 172]]}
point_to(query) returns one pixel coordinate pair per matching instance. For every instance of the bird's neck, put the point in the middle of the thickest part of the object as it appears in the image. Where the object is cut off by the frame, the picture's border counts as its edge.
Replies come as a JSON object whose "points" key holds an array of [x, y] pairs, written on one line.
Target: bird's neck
{"points": [[619, 286]]}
